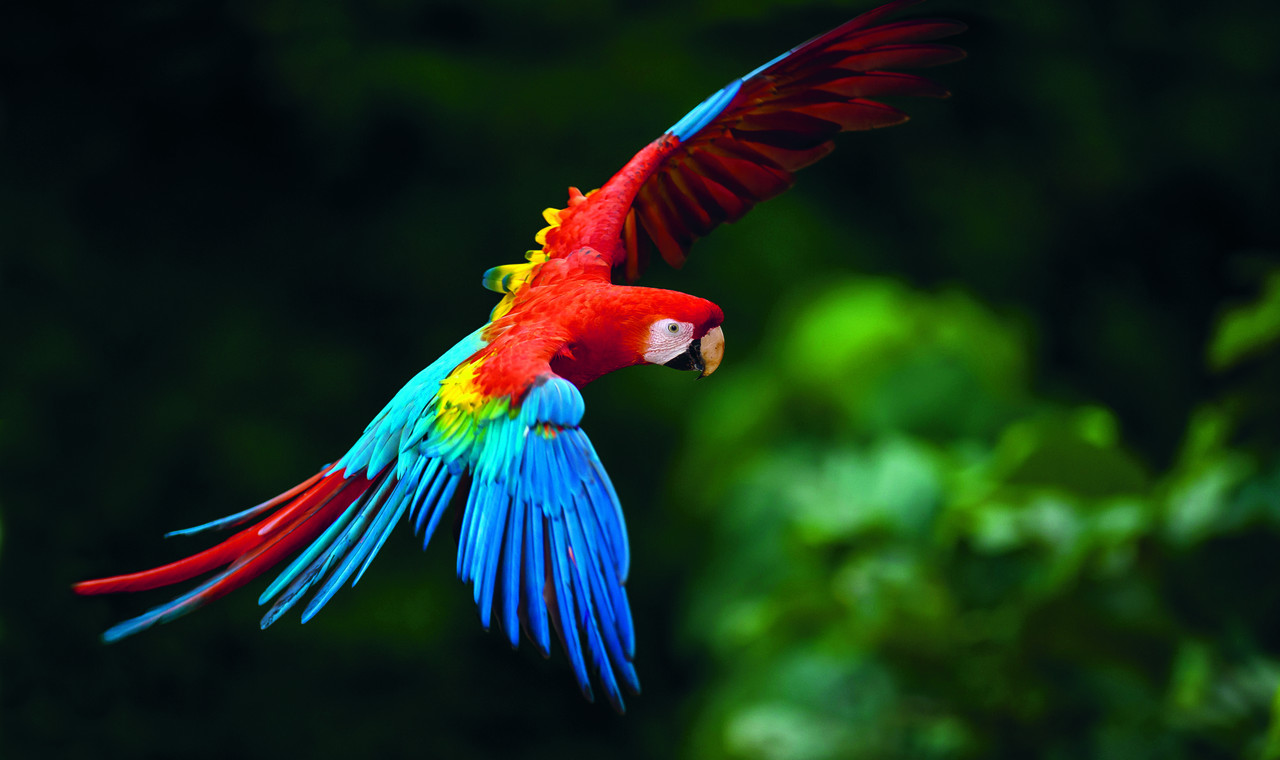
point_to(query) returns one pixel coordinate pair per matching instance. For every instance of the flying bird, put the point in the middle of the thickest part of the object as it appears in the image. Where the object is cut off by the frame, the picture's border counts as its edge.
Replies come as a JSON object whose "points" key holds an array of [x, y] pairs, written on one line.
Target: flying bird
{"points": [[542, 539]]}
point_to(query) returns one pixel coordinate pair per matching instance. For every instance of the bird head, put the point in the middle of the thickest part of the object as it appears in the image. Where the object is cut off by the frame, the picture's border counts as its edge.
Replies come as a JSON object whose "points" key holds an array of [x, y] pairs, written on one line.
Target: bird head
{"points": [[685, 334]]}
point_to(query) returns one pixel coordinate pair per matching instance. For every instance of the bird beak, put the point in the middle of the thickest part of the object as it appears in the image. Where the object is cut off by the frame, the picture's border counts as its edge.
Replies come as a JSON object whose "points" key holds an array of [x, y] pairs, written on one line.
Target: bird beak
{"points": [[703, 354], [712, 351]]}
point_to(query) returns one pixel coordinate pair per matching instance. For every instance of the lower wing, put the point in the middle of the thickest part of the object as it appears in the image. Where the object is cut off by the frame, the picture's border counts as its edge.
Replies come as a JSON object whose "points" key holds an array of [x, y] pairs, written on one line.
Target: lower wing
{"points": [[542, 542]]}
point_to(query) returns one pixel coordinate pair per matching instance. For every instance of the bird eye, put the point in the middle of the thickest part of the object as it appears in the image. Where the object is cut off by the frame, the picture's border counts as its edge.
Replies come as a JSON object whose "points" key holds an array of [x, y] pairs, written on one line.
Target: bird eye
{"points": [[673, 327]]}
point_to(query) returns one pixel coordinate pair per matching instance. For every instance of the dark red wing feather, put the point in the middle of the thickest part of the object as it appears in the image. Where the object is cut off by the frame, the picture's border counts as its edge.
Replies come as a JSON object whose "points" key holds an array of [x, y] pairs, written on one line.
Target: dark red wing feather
{"points": [[781, 119]]}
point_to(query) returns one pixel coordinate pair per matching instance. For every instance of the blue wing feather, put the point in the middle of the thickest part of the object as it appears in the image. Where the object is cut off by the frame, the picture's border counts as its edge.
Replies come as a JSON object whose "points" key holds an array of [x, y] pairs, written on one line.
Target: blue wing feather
{"points": [[535, 608], [373, 540], [466, 540], [488, 580], [706, 111], [564, 613], [511, 563], [304, 561], [340, 553], [230, 521]]}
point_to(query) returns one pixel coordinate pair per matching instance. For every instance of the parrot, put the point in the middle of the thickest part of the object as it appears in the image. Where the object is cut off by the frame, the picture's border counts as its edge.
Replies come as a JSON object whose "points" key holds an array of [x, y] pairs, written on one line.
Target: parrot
{"points": [[496, 420]]}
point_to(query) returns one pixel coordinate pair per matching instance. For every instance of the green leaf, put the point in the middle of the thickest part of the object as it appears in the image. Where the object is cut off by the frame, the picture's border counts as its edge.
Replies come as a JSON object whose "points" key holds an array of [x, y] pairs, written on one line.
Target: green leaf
{"points": [[1247, 330]]}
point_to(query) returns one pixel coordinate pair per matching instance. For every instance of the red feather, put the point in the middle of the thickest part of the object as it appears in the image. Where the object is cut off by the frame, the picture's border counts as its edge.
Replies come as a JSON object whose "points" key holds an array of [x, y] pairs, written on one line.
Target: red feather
{"points": [[254, 549]]}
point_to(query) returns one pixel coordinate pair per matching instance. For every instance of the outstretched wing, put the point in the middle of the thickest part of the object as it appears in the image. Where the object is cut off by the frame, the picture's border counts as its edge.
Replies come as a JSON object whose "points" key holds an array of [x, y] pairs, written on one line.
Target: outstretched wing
{"points": [[742, 145], [542, 540]]}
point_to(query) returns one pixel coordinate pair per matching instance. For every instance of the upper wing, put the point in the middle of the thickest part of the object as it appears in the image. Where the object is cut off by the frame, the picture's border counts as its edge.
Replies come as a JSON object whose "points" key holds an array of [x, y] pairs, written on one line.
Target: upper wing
{"points": [[741, 145]]}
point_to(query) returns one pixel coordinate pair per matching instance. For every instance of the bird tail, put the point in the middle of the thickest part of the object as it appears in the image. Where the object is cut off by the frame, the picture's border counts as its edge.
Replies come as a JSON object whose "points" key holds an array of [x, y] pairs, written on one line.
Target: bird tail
{"points": [[288, 522]]}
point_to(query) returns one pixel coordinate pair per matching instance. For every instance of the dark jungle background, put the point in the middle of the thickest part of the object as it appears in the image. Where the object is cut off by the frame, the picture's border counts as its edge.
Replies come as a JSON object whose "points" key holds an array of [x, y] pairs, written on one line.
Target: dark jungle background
{"points": [[991, 469]]}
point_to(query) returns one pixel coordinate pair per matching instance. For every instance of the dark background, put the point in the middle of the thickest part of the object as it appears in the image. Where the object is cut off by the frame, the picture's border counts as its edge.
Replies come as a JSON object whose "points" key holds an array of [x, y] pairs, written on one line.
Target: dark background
{"points": [[990, 469]]}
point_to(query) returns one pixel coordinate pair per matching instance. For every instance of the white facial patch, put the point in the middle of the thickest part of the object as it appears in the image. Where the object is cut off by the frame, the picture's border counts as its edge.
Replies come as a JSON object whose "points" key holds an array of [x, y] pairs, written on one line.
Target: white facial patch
{"points": [[667, 340]]}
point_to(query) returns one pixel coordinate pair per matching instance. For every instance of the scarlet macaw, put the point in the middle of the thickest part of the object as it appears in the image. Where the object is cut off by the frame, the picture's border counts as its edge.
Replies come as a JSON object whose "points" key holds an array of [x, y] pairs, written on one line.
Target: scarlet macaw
{"points": [[542, 540]]}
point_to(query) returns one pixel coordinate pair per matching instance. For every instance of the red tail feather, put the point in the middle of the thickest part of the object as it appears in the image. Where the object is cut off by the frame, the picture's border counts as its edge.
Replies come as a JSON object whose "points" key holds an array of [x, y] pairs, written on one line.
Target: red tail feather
{"points": [[254, 549]]}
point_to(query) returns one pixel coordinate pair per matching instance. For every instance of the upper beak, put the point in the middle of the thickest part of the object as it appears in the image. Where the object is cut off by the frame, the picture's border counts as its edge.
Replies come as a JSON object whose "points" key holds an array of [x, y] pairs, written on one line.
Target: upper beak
{"points": [[712, 351], [703, 354]]}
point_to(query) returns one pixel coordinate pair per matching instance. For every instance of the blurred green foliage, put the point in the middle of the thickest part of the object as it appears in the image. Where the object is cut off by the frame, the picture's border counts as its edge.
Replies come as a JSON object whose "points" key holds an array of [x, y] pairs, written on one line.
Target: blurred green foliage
{"points": [[991, 468], [1000, 579]]}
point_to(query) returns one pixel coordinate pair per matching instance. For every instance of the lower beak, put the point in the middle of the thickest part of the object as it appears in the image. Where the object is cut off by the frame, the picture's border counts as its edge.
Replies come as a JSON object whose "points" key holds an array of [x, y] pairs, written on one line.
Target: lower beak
{"points": [[703, 354]]}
